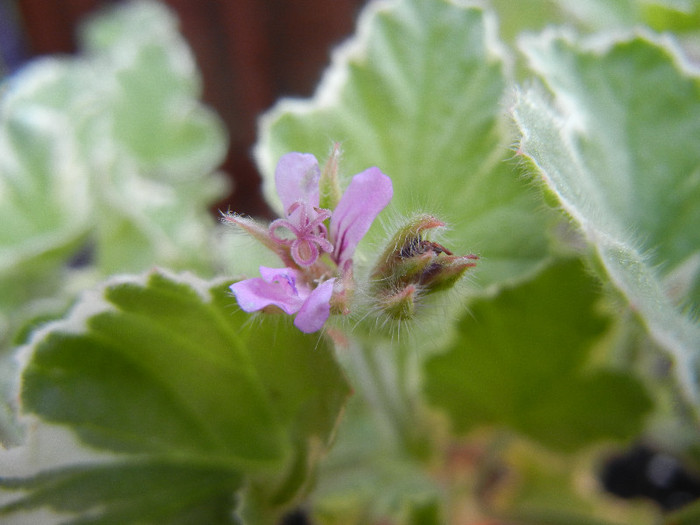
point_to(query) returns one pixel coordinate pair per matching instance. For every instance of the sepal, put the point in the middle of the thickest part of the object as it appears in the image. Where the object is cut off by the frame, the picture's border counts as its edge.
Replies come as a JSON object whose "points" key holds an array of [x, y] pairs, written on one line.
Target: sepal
{"points": [[399, 304], [260, 233]]}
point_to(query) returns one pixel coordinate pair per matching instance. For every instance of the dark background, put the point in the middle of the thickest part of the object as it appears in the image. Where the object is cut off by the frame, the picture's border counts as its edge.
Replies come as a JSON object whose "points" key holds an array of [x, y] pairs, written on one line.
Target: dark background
{"points": [[250, 53]]}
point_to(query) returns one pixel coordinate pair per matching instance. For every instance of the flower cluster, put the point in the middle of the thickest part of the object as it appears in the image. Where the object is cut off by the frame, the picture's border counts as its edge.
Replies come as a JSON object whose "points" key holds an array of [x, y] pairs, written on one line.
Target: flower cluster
{"points": [[412, 267], [315, 244]]}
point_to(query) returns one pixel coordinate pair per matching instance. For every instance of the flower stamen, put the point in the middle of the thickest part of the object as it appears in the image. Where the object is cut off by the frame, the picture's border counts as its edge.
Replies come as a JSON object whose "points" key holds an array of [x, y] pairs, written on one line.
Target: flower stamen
{"points": [[306, 224]]}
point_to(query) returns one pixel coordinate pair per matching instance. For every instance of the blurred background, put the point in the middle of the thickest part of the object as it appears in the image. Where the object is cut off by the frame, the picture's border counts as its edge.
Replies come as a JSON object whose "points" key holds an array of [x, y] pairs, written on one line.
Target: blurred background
{"points": [[249, 52]]}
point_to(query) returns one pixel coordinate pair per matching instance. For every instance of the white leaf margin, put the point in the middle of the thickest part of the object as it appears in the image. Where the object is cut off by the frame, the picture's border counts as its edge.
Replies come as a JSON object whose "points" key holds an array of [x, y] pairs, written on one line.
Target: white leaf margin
{"points": [[626, 263], [337, 74], [50, 446], [89, 304]]}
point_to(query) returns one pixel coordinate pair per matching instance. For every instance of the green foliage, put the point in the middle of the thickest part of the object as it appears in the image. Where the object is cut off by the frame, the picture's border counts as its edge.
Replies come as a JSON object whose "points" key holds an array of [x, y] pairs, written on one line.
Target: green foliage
{"points": [[521, 359], [132, 492], [167, 374], [366, 477], [419, 92], [154, 399], [106, 164], [111, 150], [620, 156]]}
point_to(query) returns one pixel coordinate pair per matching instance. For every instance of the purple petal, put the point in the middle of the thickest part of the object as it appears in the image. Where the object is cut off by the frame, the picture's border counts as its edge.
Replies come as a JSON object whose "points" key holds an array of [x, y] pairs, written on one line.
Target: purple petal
{"points": [[296, 178], [316, 309], [290, 275], [278, 287], [368, 193]]}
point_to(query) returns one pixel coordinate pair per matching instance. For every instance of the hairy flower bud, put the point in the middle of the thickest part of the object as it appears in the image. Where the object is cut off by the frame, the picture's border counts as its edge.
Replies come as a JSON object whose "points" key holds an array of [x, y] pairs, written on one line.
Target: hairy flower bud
{"points": [[411, 266], [399, 304]]}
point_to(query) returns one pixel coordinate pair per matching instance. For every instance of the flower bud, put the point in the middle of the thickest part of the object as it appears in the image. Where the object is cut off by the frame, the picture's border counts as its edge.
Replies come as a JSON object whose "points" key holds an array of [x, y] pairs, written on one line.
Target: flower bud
{"points": [[411, 266], [400, 304], [328, 184]]}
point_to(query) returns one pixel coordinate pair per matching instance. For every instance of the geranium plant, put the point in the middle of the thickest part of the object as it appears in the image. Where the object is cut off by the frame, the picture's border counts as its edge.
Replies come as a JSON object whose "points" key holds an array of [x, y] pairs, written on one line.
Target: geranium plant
{"points": [[477, 303]]}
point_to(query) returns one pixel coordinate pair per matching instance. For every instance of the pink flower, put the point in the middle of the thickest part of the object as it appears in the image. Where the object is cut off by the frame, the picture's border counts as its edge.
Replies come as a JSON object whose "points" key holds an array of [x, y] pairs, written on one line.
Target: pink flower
{"points": [[296, 177], [306, 286], [287, 289], [368, 193]]}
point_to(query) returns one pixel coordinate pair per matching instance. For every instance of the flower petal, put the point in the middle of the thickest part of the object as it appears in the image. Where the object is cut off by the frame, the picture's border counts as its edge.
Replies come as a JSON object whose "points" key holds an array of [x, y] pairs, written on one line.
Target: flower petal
{"points": [[291, 276], [368, 193], [316, 309], [296, 178], [278, 287]]}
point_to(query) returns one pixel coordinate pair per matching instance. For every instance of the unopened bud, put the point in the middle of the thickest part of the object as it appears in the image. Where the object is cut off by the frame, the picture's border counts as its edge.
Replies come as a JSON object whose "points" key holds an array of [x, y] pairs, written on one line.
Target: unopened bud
{"points": [[412, 265], [401, 304], [328, 184], [445, 271]]}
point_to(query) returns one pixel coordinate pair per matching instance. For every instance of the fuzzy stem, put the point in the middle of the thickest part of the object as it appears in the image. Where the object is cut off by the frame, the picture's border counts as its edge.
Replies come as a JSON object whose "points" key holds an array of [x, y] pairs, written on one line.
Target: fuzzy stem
{"points": [[387, 386]]}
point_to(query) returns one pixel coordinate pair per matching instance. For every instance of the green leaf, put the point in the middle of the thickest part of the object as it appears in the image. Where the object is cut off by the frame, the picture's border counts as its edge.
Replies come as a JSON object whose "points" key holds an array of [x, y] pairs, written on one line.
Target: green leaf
{"points": [[149, 377], [44, 197], [131, 492], [515, 16], [418, 93], [106, 164], [154, 90], [166, 371], [111, 147], [620, 154], [44, 206], [367, 479], [520, 360], [153, 143], [662, 15]]}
